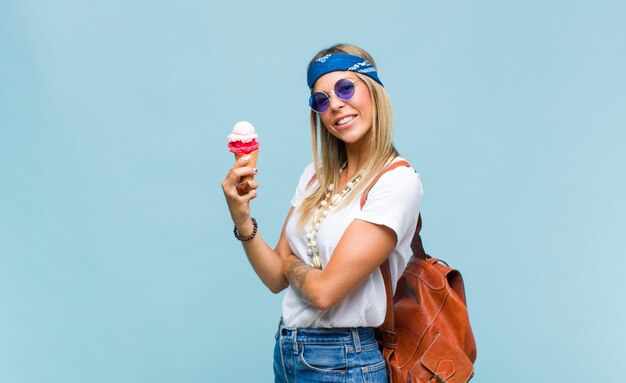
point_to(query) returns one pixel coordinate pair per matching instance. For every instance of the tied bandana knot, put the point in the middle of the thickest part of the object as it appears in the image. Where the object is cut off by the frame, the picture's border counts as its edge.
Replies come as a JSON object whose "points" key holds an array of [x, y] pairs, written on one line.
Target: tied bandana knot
{"points": [[340, 61]]}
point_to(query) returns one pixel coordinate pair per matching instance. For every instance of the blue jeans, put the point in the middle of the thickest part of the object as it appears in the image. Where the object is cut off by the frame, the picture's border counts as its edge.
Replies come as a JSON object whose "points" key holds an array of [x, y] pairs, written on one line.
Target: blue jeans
{"points": [[344, 355]]}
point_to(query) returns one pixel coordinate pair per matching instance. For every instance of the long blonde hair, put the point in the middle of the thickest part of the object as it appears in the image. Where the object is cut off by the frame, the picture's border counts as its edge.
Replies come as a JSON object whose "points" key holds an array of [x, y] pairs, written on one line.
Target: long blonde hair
{"points": [[333, 150]]}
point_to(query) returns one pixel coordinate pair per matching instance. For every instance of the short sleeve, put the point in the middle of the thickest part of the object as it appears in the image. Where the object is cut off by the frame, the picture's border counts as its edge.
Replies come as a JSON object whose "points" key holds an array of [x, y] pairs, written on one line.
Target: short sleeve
{"points": [[301, 190], [394, 201]]}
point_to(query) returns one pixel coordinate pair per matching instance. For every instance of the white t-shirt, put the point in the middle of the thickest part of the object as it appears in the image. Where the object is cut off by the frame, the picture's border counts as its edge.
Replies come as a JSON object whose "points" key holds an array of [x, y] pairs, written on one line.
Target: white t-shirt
{"points": [[394, 201]]}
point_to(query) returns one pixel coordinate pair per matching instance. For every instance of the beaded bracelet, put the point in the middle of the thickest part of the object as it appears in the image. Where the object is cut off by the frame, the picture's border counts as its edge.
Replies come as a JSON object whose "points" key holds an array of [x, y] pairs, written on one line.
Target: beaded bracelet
{"points": [[243, 239]]}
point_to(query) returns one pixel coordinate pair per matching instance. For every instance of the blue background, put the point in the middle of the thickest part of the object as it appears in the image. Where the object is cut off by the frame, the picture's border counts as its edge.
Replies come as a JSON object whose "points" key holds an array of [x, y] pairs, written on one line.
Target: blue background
{"points": [[117, 261]]}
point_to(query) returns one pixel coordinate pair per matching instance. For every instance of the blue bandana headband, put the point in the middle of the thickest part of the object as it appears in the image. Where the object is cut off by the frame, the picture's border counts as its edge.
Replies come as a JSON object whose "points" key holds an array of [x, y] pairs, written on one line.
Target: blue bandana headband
{"points": [[340, 61]]}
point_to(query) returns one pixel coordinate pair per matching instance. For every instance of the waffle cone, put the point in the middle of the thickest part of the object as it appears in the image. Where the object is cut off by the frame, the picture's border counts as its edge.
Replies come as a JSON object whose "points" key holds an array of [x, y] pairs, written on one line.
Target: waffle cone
{"points": [[253, 156]]}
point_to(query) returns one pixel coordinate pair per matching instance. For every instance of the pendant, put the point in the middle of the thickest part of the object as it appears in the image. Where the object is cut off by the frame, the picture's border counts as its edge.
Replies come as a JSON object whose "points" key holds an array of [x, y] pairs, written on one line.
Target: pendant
{"points": [[317, 262]]}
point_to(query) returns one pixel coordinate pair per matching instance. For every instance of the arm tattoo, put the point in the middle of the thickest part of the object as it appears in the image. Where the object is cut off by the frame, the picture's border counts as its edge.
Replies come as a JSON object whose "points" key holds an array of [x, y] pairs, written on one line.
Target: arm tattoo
{"points": [[296, 274]]}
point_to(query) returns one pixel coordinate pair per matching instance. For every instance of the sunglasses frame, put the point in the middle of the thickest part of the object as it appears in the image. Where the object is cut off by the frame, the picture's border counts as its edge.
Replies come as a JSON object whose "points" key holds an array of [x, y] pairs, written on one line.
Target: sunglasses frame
{"points": [[332, 91]]}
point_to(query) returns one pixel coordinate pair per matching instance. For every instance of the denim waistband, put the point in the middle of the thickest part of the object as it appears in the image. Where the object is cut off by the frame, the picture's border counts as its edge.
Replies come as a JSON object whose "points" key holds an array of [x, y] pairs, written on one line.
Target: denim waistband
{"points": [[357, 337]]}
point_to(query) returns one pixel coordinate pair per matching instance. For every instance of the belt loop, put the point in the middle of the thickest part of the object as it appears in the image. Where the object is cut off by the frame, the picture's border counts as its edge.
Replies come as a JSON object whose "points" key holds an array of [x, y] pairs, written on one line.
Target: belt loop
{"points": [[294, 335], [357, 340], [280, 326]]}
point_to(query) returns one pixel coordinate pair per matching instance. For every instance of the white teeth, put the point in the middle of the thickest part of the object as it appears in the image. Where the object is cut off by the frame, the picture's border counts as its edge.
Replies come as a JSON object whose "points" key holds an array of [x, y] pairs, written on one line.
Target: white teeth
{"points": [[344, 120]]}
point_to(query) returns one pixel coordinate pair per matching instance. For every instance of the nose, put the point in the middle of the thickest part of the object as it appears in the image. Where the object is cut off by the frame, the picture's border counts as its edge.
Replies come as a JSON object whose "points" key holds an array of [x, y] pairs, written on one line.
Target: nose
{"points": [[335, 102]]}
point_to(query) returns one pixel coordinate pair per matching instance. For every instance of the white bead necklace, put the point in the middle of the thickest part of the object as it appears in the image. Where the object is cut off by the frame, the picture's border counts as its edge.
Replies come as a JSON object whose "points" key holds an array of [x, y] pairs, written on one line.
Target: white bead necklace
{"points": [[322, 211]]}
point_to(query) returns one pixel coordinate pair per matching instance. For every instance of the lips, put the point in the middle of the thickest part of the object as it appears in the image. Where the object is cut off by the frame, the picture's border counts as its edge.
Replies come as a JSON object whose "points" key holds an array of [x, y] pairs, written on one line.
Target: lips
{"points": [[344, 120]]}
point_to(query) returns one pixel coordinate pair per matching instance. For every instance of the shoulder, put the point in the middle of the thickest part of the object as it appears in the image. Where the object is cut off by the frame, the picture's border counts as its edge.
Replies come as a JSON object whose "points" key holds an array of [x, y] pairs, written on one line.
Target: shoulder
{"points": [[303, 190], [308, 174], [402, 179], [394, 200]]}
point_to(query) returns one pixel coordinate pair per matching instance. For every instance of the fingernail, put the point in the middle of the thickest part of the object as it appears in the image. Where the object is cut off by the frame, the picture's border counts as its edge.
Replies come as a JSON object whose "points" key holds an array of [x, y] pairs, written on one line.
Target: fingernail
{"points": [[246, 159], [256, 170]]}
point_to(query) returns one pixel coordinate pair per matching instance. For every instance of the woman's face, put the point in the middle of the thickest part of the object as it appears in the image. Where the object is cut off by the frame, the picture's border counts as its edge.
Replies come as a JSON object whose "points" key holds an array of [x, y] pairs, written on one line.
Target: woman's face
{"points": [[351, 120]]}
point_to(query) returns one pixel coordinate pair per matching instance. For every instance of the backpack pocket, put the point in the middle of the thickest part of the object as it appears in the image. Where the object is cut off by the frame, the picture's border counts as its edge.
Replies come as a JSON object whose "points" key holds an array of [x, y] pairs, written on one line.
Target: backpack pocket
{"points": [[445, 361]]}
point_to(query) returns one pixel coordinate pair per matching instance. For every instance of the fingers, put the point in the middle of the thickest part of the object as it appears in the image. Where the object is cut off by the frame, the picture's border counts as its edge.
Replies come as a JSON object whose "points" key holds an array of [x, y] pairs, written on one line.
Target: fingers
{"points": [[240, 170], [242, 161], [239, 186], [246, 187], [239, 190], [245, 174], [234, 188]]}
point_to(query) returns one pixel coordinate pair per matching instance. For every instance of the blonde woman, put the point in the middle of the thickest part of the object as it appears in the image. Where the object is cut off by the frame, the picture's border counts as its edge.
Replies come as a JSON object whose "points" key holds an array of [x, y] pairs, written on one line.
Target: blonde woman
{"points": [[330, 249]]}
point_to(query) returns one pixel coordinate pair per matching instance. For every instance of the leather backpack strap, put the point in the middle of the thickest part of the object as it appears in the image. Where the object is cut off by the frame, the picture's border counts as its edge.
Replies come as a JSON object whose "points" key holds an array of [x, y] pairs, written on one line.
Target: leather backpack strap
{"points": [[387, 329], [416, 243], [389, 167]]}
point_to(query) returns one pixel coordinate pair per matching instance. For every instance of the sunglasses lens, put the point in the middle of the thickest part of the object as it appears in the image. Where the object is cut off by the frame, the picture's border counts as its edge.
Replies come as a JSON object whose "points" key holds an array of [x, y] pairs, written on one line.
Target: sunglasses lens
{"points": [[344, 89], [319, 102]]}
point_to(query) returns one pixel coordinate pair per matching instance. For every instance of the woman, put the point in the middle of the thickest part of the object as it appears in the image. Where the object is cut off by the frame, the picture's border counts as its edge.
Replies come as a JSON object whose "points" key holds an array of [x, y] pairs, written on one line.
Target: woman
{"points": [[330, 249]]}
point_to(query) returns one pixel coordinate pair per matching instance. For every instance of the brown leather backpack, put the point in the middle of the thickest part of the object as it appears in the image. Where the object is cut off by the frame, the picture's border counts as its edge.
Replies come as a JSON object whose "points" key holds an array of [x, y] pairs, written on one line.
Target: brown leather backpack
{"points": [[426, 336]]}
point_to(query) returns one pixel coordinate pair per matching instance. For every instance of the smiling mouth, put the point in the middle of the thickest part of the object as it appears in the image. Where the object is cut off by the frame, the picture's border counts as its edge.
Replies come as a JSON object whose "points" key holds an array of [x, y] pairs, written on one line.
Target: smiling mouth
{"points": [[345, 120]]}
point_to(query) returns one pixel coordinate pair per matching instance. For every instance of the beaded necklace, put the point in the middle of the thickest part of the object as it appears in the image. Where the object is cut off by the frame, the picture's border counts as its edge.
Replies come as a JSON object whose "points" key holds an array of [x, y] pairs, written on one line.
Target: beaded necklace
{"points": [[326, 205]]}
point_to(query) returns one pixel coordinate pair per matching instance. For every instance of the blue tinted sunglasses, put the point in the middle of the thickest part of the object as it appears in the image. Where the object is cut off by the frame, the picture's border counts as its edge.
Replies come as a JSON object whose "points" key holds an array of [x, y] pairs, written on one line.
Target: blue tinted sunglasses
{"points": [[344, 90]]}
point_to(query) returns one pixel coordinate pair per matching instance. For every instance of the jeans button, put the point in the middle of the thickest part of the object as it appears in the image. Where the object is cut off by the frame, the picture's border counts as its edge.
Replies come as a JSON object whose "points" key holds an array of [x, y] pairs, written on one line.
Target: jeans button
{"points": [[283, 331]]}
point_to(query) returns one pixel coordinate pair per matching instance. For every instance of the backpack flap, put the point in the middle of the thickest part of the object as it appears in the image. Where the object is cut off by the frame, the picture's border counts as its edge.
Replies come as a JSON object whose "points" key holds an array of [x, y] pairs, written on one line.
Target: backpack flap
{"points": [[455, 280], [447, 362]]}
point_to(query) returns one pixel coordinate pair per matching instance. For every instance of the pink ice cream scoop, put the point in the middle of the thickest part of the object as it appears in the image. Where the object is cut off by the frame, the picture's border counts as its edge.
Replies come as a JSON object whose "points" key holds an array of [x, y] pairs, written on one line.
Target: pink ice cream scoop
{"points": [[243, 138], [243, 141]]}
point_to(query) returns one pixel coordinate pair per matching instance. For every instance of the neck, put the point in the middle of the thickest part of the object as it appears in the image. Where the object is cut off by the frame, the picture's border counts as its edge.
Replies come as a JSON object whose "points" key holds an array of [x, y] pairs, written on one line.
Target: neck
{"points": [[357, 156]]}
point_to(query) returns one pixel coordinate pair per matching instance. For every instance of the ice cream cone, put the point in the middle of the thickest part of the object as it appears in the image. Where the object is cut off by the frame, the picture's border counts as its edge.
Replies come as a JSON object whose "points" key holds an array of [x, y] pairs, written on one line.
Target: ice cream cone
{"points": [[243, 142], [252, 162]]}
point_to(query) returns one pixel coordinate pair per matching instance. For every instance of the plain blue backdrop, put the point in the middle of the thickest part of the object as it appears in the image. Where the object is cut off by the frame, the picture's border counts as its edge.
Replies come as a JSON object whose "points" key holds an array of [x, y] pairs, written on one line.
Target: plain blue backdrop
{"points": [[117, 260]]}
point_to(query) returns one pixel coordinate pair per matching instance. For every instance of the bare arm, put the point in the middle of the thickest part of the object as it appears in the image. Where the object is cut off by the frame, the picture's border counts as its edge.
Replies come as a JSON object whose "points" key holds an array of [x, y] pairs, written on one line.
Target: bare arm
{"points": [[361, 250], [266, 262]]}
